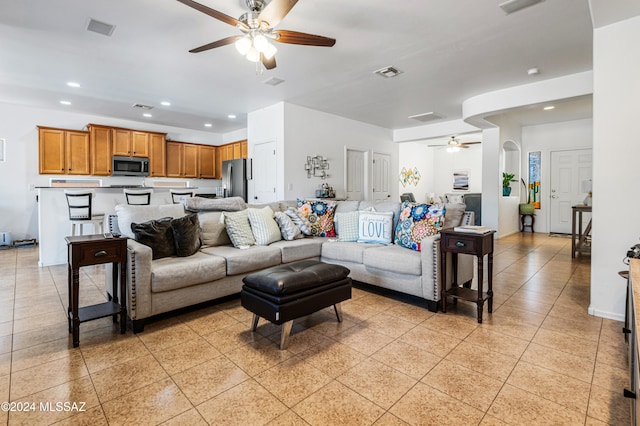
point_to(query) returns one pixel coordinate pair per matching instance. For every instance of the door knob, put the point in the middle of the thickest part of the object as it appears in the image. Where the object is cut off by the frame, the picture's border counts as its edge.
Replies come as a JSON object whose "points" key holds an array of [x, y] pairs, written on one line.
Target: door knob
{"points": [[554, 196]]}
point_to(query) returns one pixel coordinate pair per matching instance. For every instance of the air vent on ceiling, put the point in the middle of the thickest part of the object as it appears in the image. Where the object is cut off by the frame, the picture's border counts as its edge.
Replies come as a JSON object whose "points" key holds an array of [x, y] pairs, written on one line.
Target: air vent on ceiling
{"points": [[273, 81], [100, 27], [511, 6], [427, 116], [388, 72], [141, 106]]}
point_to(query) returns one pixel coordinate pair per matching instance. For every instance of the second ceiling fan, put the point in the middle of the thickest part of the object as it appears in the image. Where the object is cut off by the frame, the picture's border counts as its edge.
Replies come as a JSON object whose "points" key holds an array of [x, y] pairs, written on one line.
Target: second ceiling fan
{"points": [[258, 28], [454, 145]]}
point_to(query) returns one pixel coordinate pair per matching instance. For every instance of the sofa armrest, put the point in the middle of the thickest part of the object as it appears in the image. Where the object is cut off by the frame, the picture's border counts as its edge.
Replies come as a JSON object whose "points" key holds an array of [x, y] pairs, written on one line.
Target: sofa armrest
{"points": [[112, 224]]}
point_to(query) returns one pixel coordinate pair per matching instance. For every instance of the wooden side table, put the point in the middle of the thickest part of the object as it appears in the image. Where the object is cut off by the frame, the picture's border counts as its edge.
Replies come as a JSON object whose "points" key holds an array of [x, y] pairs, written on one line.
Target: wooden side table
{"points": [[578, 237], [89, 250], [523, 221], [478, 245]]}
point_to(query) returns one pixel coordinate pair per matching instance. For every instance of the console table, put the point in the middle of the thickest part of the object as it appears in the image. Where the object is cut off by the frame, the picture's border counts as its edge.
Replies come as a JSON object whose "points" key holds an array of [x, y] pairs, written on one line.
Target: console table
{"points": [[478, 245], [86, 250], [578, 237]]}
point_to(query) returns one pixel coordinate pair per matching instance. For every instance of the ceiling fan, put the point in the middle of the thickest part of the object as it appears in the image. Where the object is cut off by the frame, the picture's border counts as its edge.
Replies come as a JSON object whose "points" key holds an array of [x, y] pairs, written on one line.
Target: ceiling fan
{"points": [[258, 27], [454, 145]]}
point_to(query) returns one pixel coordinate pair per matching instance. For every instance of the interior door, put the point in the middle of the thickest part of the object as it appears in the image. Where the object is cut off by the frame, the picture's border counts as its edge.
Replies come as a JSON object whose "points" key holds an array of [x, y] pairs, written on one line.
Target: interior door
{"points": [[355, 175], [568, 170], [381, 176], [264, 172]]}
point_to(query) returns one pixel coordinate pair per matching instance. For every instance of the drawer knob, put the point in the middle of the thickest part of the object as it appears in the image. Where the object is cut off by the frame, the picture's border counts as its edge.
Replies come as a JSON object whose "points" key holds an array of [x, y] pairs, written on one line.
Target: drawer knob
{"points": [[100, 253], [460, 244]]}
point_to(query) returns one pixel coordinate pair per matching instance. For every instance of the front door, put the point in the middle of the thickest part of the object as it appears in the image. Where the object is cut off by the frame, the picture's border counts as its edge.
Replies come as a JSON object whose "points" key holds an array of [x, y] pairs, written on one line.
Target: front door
{"points": [[381, 176], [568, 170]]}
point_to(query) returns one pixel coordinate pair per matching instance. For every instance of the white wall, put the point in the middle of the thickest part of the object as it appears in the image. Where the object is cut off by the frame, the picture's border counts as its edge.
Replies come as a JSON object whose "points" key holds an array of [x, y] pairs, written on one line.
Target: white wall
{"points": [[310, 132], [417, 155], [445, 163], [616, 151], [267, 125], [18, 208], [491, 178], [546, 138]]}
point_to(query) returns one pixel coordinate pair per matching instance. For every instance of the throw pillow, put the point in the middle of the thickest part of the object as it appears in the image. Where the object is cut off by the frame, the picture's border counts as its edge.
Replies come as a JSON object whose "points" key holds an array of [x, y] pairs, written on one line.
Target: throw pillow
{"points": [[320, 215], [239, 228], [156, 234], [454, 214], [264, 228], [418, 221], [137, 214], [288, 229], [213, 231], [186, 235], [347, 224], [375, 227], [300, 221]]}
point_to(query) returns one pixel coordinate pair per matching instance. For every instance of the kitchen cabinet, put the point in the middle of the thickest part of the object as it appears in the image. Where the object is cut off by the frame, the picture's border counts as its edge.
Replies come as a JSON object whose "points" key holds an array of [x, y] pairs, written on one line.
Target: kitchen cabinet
{"points": [[237, 150], [157, 154], [100, 144], [207, 163], [63, 151], [182, 160], [130, 143], [218, 162], [244, 149]]}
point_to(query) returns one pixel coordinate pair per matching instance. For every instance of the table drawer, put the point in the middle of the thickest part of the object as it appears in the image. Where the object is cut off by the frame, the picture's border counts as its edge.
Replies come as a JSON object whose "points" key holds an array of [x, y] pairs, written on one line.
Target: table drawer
{"points": [[91, 254], [462, 244]]}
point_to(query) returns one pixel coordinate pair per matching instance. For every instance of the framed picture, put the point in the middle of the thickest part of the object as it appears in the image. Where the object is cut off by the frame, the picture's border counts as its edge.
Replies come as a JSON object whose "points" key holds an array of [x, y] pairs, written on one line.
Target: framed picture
{"points": [[461, 180]]}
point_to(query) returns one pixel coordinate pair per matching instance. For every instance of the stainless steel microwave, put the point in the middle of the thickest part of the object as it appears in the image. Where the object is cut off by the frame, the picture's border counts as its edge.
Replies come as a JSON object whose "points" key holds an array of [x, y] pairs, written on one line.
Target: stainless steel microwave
{"points": [[130, 166]]}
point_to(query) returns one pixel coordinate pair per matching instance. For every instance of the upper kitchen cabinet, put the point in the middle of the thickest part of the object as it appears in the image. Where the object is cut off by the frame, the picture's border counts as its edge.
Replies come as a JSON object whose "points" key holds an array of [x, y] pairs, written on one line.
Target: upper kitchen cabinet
{"points": [[182, 160], [63, 151], [130, 143], [157, 154], [100, 139], [207, 156]]}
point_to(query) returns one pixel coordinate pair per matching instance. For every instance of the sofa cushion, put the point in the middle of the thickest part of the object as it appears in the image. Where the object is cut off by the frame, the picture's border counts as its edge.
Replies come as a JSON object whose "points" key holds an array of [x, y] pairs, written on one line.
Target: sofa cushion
{"points": [[289, 230], [177, 272], [264, 228], [347, 225], [319, 214], [137, 214], [347, 206], [247, 260], [304, 248], [387, 206], [375, 227], [346, 251], [393, 258], [239, 228], [156, 234], [186, 234], [453, 214], [213, 231], [418, 221]]}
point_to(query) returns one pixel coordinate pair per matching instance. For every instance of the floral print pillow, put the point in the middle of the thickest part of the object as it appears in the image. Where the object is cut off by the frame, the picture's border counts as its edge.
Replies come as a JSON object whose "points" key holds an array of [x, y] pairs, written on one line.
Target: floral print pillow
{"points": [[418, 221], [320, 215]]}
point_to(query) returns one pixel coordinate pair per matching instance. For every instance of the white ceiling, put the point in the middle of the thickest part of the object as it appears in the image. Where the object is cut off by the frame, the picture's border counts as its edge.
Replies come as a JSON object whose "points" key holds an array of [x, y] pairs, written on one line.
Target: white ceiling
{"points": [[448, 51]]}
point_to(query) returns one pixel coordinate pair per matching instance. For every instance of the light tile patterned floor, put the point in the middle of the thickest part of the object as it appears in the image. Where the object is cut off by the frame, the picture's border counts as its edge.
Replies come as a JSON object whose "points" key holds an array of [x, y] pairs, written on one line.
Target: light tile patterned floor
{"points": [[538, 359]]}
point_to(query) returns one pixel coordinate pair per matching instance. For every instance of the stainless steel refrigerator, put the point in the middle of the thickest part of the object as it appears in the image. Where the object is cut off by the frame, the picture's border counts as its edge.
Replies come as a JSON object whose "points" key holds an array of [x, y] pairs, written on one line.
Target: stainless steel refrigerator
{"points": [[234, 178]]}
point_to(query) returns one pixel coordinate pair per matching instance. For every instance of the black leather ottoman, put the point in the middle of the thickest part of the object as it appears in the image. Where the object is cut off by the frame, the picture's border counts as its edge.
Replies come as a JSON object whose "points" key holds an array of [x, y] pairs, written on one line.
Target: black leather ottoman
{"points": [[283, 293]]}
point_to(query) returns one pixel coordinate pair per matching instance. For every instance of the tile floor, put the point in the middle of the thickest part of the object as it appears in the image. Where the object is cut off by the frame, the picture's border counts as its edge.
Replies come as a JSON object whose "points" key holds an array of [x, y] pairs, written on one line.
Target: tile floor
{"points": [[538, 359]]}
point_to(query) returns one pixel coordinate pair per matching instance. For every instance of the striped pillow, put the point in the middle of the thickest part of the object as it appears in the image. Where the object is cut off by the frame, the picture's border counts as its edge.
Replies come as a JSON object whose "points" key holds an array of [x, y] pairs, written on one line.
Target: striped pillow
{"points": [[302, 222], [239, 229], [265, 229], [288, 229]]}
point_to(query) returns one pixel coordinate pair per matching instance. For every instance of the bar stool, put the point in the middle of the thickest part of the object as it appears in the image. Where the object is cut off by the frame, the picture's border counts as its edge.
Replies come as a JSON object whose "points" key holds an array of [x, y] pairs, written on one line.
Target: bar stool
{"points": [[177, 195], [81, 211], [138, 197]]}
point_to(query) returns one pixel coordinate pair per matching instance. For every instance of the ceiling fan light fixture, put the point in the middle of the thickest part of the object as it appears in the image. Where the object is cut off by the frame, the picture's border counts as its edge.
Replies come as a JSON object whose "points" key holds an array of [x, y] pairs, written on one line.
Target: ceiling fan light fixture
{"points": [[260, 43], [253, 55], [243, 45], [453, 149], [270, 51]]}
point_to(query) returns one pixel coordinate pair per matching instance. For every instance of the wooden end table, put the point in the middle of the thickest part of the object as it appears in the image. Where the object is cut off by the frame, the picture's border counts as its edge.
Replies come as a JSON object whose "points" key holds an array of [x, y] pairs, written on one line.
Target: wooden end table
{"points": [[478, 245], [86, 250]]}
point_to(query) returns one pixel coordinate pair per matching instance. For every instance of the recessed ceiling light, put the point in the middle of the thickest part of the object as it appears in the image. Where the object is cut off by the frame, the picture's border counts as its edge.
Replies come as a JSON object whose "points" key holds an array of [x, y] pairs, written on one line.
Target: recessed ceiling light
{"points": [[73, 84], [533, 71], [511, 6], [165, 103], [231, 116], [550, 107], [208, 125], [65, 102], [146, 114]]}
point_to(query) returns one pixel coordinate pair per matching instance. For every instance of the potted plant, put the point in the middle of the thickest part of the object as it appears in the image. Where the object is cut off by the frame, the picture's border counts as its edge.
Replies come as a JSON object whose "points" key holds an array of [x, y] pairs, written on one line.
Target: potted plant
{"points": [[528, 207], [507, 178]]}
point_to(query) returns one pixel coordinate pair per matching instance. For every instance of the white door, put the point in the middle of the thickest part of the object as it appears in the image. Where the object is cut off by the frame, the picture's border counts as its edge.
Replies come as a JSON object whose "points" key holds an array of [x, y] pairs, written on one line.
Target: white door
{"points": [[355, 175], [381, 177], [264, 172], [568, 170]]}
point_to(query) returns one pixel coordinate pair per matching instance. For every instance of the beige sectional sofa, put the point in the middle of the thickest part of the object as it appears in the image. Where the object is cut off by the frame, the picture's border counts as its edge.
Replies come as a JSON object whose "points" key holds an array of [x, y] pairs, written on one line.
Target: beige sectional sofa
{"points": [[216, 270]]}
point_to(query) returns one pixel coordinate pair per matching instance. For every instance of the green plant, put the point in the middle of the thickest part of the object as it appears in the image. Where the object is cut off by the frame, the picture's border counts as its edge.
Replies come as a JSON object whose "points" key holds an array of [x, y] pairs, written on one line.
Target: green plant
{"points": [[507, 178], [526, 190]]}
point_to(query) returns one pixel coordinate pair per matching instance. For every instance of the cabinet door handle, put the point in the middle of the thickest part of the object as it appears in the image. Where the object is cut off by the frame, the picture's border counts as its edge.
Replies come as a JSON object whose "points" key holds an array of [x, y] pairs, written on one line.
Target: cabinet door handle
{"points": [[100, 253], [460, 244]]}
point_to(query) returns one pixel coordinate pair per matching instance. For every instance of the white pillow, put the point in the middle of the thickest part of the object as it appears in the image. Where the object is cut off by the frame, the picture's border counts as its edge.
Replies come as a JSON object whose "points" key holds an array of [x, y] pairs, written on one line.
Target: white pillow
{"points": [[348, 225], [264, 228], [239, 228], [375, 227], [128, 214]]}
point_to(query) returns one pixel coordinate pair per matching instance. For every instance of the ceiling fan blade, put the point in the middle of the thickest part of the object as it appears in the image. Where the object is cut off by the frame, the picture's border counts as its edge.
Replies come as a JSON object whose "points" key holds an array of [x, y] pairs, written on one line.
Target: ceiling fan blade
{"points": [[295, 37], [222, 42], [213, 13], [469, 143], [268, 63], [275, 11]]}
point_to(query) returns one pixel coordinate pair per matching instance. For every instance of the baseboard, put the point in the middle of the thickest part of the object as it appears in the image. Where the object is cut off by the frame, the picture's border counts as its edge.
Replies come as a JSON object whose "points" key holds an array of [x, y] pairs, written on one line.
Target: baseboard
{"points": [[604, 314]]}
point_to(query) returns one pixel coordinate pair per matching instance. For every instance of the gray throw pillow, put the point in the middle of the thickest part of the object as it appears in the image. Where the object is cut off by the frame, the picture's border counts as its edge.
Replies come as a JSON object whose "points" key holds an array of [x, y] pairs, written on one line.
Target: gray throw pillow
{"points": [[156, 234], [239, 228], [186, 234]]}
